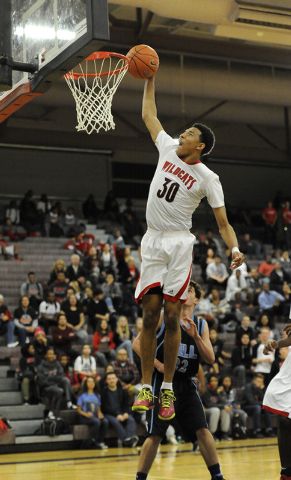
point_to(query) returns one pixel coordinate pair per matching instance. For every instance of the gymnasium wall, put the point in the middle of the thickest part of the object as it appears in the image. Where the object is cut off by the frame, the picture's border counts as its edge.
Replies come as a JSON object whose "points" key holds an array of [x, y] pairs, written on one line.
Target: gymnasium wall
{"points": [[74, 175]]}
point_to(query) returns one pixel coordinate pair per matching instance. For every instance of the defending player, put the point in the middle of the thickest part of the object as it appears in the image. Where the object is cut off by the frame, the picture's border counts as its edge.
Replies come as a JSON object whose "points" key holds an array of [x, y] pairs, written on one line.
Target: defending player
{"points": [[180, 182], [277, 399], [195, 345]]}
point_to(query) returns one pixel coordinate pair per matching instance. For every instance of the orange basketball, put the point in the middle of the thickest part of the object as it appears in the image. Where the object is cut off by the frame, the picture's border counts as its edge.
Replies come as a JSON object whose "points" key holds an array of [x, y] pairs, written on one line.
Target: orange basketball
{"points": [[143, 61]]}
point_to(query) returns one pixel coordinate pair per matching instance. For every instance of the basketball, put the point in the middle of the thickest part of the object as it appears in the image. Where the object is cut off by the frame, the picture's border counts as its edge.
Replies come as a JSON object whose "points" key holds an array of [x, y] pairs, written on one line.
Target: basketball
{"points": [[143, 61]]}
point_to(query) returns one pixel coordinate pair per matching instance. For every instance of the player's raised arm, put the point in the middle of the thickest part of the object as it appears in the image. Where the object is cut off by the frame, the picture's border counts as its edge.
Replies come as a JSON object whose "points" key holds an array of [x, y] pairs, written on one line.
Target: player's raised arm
{"points": [[149, 109], [228, 235]]}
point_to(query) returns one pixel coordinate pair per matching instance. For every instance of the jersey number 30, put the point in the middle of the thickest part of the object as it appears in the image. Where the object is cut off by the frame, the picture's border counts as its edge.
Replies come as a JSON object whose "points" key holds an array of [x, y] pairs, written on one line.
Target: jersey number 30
{"points": [[169, 191]]}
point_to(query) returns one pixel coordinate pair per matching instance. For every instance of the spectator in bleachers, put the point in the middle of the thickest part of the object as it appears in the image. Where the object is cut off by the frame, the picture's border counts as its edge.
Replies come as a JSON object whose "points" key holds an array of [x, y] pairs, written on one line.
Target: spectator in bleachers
{"points": [[220, 354], [63, 338], [53, 384], [216, 274], [93, 266], [115, 238], [134, 230], [111, 206], [122, 261], [266, 267], [103, 380], [65, 305], [59, 287], [236, 289], [130, 273], [88, 296], [216, 408], [112, 293], [76, 320], [54, 228], [138, 327], [25, 320], [7, 325], [245, 328], [44, 205], [13, 232], [212, 242], [231, 397], [49, 310], [262, 362], [108, 261], [104, 347], [75, 272], [29, 215], [115, 406], [33, 289], [254, 284], [253, 395], [278, 278], [97, 309], [265, 320], [122, 337], [204, 262], [270, 218], [129, 307], [287, 302], [85, 364], [12, 212], [221, 309], [77, 291], [70, 373], [41, 344], [27, 375], [59, 266], [90, 209], [81, 243], [242, 360], [286, 224], [90, 412], [127, 373], [286, 262], [204, 309], [9, 250], [70, 223], [270, 301]]}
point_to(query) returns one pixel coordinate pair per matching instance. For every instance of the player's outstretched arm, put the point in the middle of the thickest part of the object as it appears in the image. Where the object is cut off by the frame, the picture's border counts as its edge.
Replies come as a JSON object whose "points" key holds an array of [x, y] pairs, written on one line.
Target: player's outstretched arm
{"points": [[228, 235], [149, 109]]}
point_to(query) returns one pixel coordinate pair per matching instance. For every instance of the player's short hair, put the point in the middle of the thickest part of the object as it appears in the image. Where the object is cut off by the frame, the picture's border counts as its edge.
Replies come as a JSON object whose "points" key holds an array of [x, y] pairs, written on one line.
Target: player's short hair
{"points": [[196, 287], [207, 136]]}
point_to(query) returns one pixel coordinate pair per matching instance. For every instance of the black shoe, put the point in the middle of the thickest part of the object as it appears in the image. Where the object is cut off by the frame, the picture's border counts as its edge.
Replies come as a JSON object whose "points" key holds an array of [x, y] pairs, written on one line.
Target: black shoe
{"points": [[258, 434], [130, 441], [270, 433], [195, 447]]}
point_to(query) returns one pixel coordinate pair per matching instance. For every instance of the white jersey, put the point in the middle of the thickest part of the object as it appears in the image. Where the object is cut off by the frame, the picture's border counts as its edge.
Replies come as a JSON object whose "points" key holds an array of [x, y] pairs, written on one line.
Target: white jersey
{"points": [[277, 398], [177, 188]]}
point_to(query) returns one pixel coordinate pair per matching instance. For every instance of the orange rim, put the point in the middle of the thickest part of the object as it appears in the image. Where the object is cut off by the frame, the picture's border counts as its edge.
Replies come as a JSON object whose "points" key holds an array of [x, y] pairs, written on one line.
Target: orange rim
{"points": [[100, 56]]}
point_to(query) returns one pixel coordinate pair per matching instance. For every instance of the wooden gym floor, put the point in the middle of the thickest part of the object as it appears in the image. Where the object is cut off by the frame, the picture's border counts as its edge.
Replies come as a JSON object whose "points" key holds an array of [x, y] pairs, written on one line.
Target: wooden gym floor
{"points": [[240, 460]]}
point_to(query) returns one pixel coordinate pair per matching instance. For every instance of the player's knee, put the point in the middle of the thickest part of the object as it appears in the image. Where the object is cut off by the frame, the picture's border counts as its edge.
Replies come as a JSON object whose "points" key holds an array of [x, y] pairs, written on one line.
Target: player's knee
{"points": [[172, 320], [202, 433]]}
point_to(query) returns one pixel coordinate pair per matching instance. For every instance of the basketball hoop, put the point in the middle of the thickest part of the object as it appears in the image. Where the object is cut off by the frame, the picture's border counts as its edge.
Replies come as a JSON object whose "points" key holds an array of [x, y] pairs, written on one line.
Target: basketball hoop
{"points": [[94, 100]]}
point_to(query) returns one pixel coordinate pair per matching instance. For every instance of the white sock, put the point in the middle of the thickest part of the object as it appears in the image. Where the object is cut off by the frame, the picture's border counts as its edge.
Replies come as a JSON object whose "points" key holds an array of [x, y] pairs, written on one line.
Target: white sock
{"points": [[145, 385], [69, 404], [167, 386]]}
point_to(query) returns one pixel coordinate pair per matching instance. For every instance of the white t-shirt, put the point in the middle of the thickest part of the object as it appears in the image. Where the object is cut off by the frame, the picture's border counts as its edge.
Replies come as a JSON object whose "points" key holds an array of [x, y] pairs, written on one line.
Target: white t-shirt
{"points": [[177, 188], [49, 309], [263, 367], [85, 364]]}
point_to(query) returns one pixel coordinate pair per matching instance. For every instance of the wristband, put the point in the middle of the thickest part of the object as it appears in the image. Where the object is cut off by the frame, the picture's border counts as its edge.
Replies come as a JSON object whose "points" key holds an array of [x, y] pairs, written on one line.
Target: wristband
{"points": [[234, 249]]}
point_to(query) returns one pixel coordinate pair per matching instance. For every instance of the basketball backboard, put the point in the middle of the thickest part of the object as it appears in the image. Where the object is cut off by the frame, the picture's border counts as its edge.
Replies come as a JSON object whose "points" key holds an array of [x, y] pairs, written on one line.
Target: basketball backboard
{"points": [[55, 35]]}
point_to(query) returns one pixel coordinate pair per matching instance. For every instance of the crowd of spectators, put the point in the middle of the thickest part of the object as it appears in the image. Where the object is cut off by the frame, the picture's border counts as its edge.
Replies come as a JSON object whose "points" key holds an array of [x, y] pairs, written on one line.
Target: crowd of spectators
{"points": [[93, 297]]}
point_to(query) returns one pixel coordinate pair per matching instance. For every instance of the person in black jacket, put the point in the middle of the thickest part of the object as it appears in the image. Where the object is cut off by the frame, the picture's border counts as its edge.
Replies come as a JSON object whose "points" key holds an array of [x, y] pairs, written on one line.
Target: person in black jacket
{"points": [[75, 272], [114, 402], [27, 374], [241, 360], [252, 404], [278, 277]]}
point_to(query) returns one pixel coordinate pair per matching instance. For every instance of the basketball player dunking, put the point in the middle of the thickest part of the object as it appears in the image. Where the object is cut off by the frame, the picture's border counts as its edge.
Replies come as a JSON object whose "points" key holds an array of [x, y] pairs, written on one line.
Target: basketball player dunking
{"points": [[195, 345], [180, 182]]}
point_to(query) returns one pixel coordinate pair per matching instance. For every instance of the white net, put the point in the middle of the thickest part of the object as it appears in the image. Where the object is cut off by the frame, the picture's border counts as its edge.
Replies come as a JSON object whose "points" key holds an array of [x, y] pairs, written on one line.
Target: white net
{"points": [[93, 89]]}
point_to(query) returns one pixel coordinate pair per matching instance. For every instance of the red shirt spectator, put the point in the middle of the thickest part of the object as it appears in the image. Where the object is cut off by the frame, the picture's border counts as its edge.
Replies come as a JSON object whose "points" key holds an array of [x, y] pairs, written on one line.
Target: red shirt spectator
{"points": [[270, 214], [286, 213]]}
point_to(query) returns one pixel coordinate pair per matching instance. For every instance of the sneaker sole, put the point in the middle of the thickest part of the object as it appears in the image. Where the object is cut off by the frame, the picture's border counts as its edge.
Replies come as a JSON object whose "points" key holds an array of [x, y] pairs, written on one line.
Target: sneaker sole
{"points": [[141, 408], [166, 418]]}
